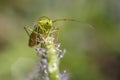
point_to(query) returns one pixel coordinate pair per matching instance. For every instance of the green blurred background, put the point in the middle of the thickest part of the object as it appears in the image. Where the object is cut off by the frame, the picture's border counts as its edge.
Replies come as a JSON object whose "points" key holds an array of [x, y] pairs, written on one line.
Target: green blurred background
{"points": [[92, 53]]}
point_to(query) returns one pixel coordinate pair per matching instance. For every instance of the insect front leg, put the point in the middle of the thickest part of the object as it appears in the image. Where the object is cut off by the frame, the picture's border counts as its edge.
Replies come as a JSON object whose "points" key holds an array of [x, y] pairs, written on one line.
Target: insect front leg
{"points": [[27, 29], [57, 34], [55, 30]]}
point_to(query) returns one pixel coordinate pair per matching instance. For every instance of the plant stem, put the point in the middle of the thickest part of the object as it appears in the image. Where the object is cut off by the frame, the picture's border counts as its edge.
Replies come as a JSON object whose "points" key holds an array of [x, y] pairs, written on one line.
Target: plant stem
{"points": [[52, 57]]}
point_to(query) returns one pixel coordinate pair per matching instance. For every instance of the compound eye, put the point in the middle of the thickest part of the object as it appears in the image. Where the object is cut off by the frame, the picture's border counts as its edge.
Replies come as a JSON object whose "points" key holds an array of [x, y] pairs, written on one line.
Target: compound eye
{"points": [[47, 23]]}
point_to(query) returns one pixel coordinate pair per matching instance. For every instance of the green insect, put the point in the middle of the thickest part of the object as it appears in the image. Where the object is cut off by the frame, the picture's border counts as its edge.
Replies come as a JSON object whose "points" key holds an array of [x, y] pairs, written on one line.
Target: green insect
{"points": [[44, 27]]}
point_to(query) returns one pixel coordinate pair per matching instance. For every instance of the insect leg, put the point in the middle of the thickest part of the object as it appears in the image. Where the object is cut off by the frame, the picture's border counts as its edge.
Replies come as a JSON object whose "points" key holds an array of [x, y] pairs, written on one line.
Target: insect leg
{"points": [[26, 29], [57, 34], [55, 30], [36, 32], [29, 29]]}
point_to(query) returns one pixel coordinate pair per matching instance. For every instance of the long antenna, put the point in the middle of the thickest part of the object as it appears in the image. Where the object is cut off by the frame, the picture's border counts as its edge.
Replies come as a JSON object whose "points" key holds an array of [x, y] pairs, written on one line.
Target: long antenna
{"points": [[71, 20], [65, 20]]}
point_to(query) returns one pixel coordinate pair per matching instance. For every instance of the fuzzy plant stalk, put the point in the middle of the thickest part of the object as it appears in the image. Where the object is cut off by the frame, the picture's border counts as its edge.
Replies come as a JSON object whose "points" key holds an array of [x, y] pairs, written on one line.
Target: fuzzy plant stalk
{"points": [[50, 60], [53, 61], [50, 56], [43, 37]]}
